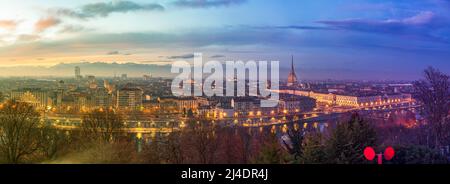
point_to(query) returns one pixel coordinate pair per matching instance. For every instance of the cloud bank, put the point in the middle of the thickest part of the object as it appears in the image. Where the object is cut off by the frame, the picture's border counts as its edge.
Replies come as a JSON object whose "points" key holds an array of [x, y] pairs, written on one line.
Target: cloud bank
{"points": [[185, 56], [8, 24], [104, 9], [207, 3], [46, 23], [425, 25]]}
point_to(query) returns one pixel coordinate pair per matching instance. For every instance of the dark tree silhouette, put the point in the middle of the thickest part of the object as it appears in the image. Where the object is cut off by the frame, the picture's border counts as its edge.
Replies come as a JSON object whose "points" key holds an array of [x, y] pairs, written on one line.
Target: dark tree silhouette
{"points": [[348, 140], [271, 151], [246, 144], [313, 149], [101, 125], [174, 153], [202, 140], [434, 92], [53, 142], [416, 154], [294, 146], [19, 130]]}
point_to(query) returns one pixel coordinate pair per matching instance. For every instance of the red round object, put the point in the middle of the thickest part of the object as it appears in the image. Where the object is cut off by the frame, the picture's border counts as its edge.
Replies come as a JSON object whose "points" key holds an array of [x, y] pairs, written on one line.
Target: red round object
{"points": [[389, 153], [369, 153]]}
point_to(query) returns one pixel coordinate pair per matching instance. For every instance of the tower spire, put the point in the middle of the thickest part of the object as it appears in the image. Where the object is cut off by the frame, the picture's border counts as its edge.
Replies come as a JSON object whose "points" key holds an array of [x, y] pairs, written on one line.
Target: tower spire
{"points": [[292, 77], [292, 64]]}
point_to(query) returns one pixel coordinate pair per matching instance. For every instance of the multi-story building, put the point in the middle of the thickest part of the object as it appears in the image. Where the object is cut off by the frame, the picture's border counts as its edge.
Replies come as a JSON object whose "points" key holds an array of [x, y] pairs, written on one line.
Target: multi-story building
{"points": [[193, 103], [323, 97], [129, 98], [35, 96], [78, 73], [368, 100], [100, 98], [295, 104], [244, 105], [395, 98], [352, 100], [146, 77], [81, 102], [60, 93], [124, 76]]}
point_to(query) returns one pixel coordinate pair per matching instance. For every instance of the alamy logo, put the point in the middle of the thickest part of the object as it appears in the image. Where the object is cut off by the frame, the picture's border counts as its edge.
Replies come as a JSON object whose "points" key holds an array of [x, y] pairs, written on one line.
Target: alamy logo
{"points": [[251, 78]]}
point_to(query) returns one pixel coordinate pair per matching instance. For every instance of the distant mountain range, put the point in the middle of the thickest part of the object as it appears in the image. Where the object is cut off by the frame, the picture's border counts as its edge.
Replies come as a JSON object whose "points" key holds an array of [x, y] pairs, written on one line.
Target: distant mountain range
{"points": [[102, 69], [89, 68]]}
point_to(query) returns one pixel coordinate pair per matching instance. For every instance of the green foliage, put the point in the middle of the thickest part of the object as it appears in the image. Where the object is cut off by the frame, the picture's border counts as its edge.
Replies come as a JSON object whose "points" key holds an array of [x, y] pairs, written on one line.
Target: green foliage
{"points": [[348, 141], [344, 145], [313, 149], [271, 152], [294, 147], [414, 154], [190, 113]]}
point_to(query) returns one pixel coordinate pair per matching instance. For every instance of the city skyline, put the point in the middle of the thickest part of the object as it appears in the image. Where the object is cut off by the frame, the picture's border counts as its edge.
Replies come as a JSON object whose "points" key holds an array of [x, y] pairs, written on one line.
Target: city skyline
{"points": [[363, 39], [138, 70]]}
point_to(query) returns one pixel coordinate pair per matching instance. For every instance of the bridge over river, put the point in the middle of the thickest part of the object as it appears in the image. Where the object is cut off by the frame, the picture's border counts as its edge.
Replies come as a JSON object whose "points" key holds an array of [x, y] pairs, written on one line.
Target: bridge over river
{"points": [[167, 124]]}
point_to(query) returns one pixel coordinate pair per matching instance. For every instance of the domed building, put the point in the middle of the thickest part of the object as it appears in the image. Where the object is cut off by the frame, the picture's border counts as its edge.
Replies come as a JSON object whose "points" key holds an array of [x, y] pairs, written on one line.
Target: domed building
{"points": [[292, 77]]}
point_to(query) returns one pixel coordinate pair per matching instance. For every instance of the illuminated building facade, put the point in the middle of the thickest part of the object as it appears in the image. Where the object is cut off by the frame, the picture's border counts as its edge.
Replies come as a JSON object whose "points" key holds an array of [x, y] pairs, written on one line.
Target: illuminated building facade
{"points": [[244, 105], [193, 103], [129, 98], [34, 96], [295, 104], [352, 100]]}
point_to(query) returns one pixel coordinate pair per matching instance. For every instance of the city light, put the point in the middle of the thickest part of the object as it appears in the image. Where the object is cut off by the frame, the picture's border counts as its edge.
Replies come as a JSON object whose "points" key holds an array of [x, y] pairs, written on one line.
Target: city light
{"points": [[200, 83]]}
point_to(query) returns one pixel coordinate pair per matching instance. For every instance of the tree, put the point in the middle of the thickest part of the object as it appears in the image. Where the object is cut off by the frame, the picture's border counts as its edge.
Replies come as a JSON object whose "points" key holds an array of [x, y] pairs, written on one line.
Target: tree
{"points": [[118, 152], [173, 152], [414, 154], [246, 144], [152, 153], [101, 125], [348, 141], [19, 129], [52, 142], [294, 145], [271, 152], [229, 150], [433, 92], [202, 141], [184, 112], [313, 149], [190, 113]]}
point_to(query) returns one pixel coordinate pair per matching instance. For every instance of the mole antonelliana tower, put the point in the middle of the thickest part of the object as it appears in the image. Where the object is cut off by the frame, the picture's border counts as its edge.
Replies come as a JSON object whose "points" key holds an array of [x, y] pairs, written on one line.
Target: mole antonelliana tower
{"points": [[292, 77]]}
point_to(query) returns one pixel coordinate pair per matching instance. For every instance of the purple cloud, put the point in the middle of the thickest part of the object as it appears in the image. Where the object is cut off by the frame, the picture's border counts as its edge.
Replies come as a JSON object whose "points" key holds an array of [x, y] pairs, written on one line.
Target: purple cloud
{"points": [[389, 25], [293, 27], [424, 25]]}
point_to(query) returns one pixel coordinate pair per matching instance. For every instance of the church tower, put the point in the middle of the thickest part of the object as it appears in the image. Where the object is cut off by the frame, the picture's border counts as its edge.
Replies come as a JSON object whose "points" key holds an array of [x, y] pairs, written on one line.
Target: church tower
{"points": [[292, 77]]}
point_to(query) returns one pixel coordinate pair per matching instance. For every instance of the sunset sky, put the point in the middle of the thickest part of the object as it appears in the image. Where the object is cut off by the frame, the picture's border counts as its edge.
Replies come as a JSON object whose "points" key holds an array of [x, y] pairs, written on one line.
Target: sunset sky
{"points": [[398, 37]]}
